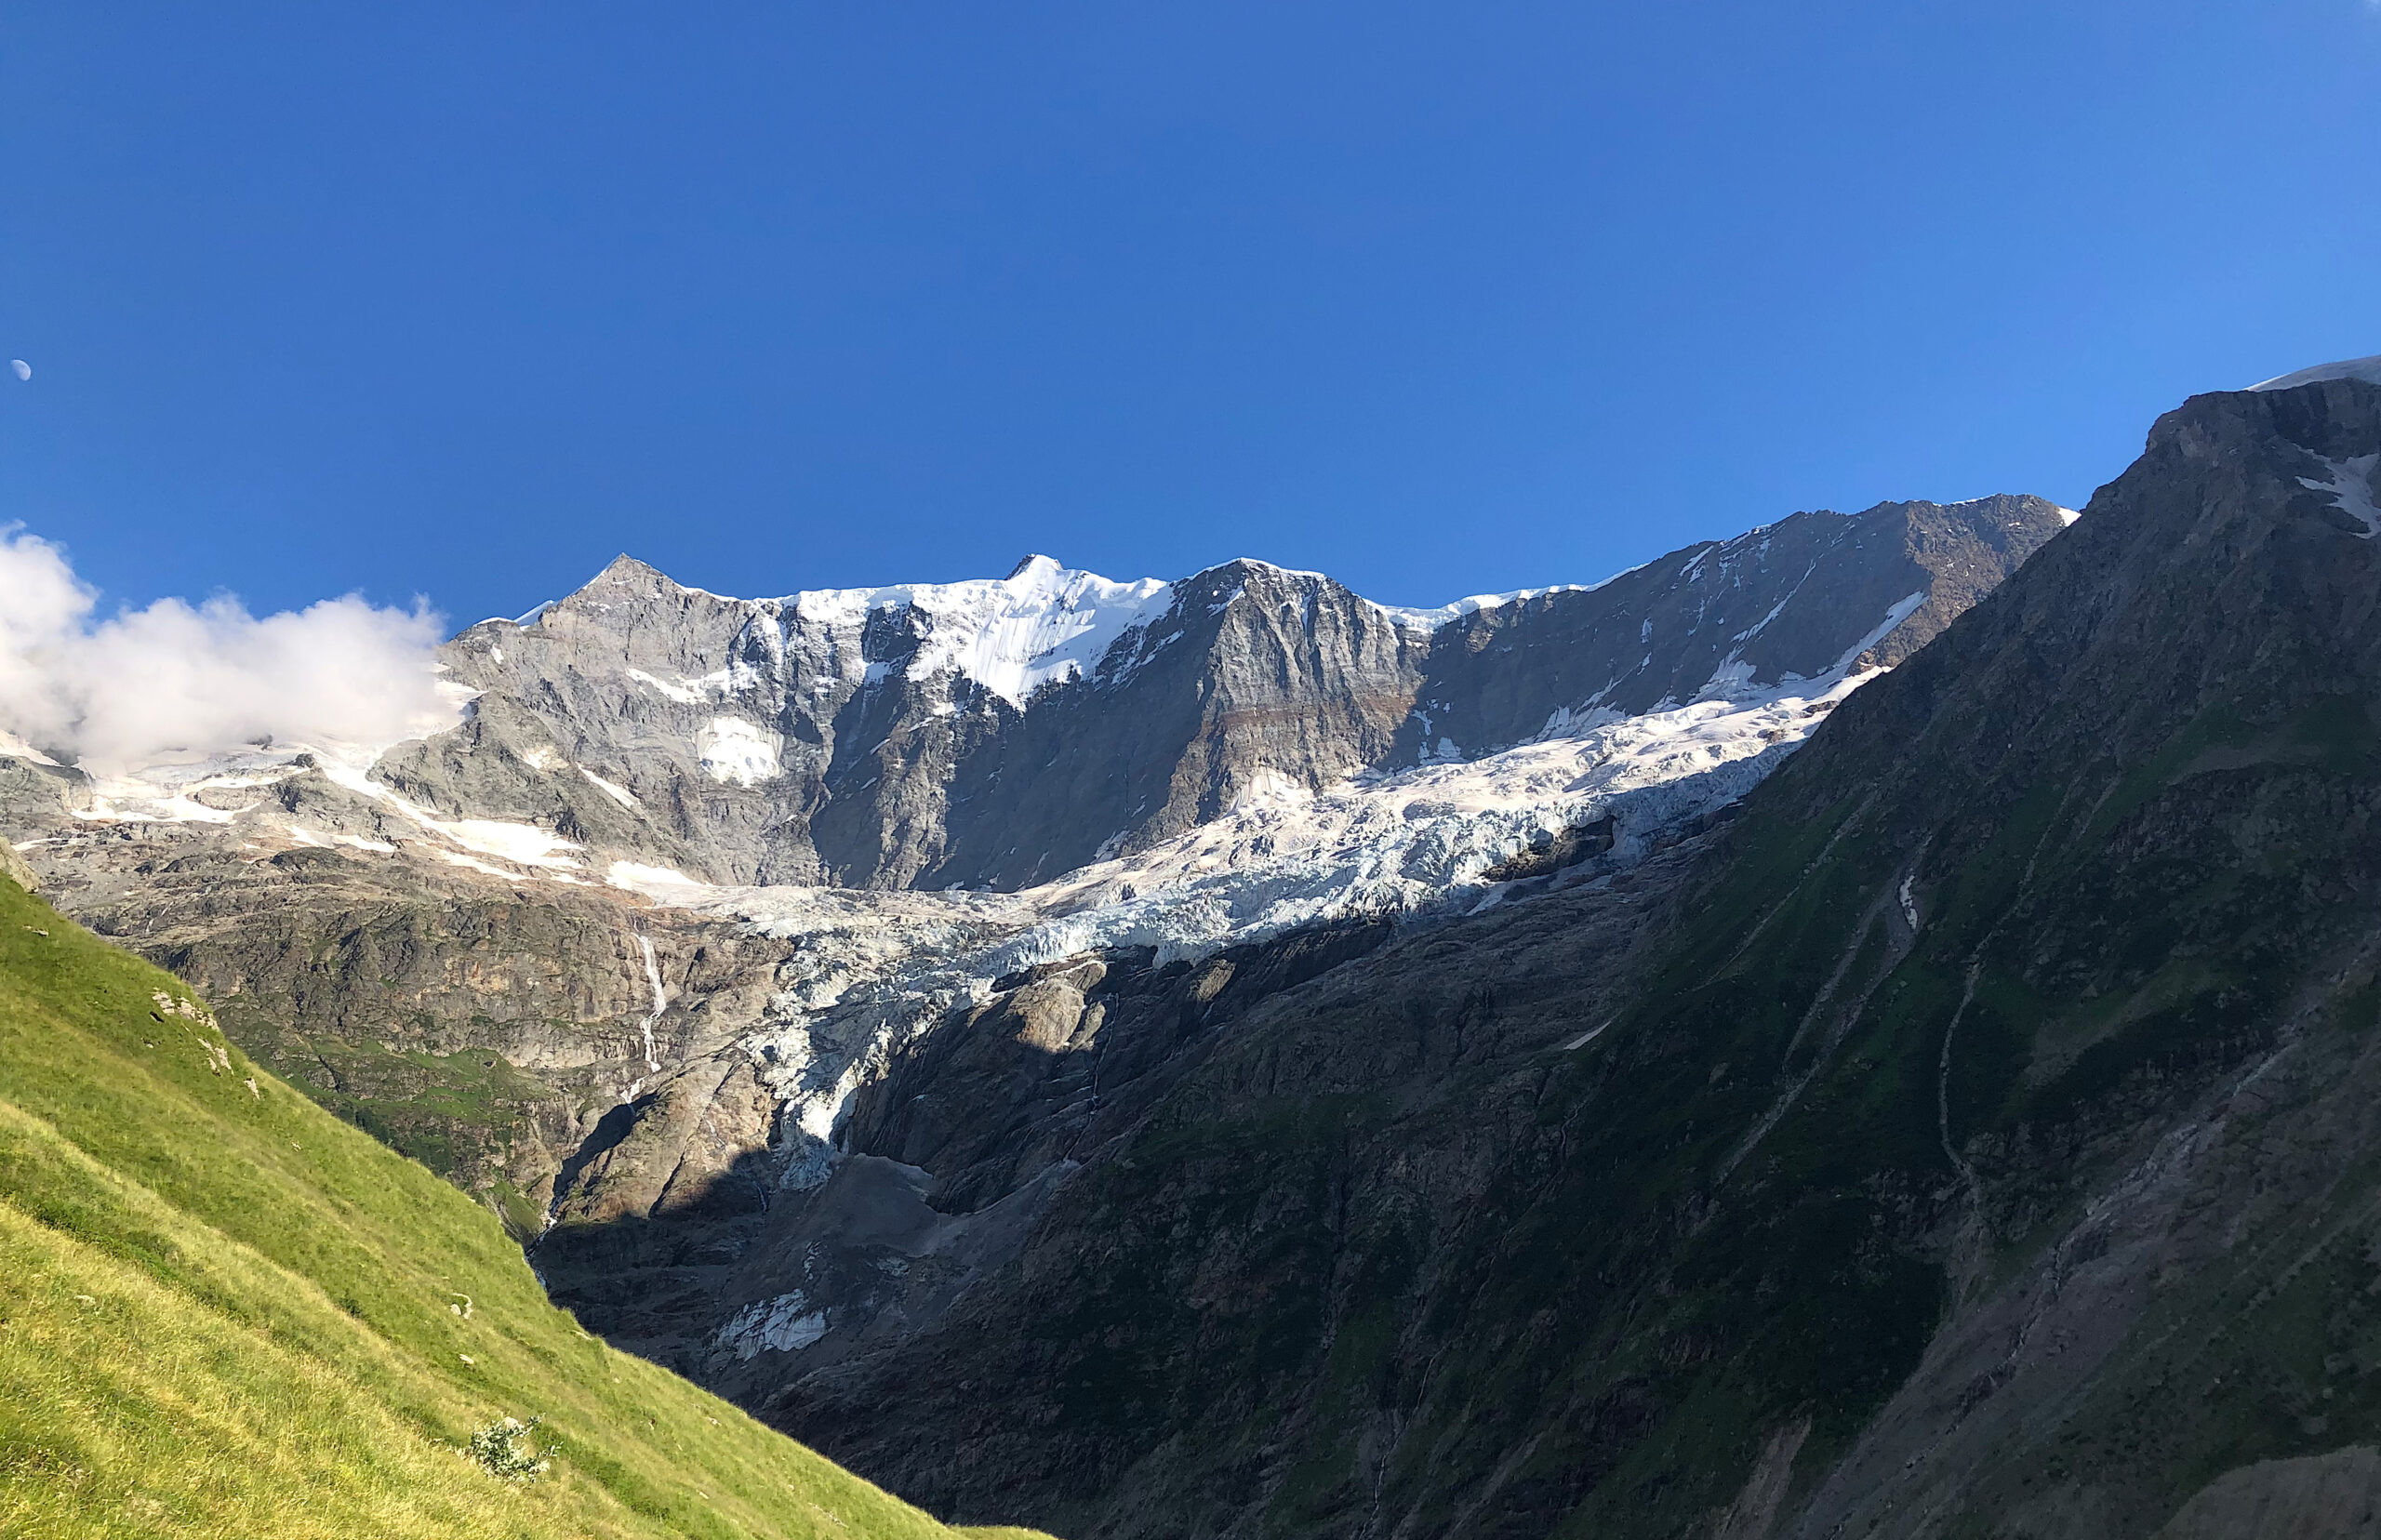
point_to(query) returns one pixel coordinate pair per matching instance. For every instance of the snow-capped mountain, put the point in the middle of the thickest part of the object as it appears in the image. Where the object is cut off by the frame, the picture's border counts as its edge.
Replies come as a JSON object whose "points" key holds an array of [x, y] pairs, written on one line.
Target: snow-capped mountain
{"points": [[1078, 1023], [997, 734], [1975, 1135], [1055, 764], [661, 928], [1180, 764]]}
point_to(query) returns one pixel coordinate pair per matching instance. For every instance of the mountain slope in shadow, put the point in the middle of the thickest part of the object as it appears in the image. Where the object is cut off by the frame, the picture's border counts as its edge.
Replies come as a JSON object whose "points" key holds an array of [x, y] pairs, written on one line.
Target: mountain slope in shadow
{"points": [[1980, 1134]]}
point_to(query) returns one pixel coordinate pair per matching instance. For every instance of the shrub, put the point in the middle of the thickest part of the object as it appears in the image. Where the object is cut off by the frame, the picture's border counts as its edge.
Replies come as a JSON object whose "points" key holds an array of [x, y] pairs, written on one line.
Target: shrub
{"points": [[502, 1449]]}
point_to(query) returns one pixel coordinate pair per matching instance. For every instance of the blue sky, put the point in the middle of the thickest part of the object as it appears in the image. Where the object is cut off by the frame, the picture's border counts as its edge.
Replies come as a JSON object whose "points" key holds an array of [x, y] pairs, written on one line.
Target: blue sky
{"points": [[1441, 299]]}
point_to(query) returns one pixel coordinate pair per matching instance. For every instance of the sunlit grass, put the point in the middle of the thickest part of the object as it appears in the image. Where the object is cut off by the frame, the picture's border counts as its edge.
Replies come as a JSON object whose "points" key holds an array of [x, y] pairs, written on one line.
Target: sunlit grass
{"points": [[225, 1312]]}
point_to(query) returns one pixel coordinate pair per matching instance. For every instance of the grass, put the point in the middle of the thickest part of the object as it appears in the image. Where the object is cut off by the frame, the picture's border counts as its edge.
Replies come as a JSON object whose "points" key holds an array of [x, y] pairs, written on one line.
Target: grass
{"points": [[225, 1312], [457, 1113]]}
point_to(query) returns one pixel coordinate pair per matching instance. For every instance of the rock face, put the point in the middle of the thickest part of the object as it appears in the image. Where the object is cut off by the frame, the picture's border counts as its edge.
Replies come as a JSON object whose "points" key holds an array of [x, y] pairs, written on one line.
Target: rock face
{"points": [[1794, 598], [486, 1029], [915, 737], [1976, 1134]]}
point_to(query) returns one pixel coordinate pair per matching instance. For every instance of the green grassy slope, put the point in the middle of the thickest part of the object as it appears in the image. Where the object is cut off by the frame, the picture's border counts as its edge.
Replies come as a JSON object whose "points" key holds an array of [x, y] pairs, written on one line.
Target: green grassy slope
{"points": [[225, 1312]]}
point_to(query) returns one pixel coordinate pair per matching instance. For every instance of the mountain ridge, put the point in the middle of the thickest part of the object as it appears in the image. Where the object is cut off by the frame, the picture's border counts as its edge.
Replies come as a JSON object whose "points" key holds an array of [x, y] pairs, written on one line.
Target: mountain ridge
{"points": [[867, 747]]}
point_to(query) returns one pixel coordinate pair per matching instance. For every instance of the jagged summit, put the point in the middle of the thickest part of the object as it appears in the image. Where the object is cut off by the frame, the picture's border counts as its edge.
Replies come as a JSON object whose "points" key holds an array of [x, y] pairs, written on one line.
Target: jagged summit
{"points": [[999, 732], [626, 571]]}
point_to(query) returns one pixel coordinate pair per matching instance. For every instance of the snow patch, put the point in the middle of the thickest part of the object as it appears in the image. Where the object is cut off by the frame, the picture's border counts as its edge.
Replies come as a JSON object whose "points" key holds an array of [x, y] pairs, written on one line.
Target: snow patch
{"points": [[732, 748], [1433, 619], [1894, 617], [2351, 490], [654, 882], [525, 844], [473, 863], [1042, 624], [617, 794], [686, 692], [783, 1324]]}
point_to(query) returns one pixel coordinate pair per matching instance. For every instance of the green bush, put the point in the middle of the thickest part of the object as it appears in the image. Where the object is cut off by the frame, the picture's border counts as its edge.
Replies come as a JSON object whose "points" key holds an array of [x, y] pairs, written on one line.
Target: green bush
{"points": [[503, 1450]]}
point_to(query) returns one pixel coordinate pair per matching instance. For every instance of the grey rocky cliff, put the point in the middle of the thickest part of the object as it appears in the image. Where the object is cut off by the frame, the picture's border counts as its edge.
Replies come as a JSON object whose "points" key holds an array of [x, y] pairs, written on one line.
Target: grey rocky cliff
{"points": [[1790, 600], [797, 742], [486, 1027]]}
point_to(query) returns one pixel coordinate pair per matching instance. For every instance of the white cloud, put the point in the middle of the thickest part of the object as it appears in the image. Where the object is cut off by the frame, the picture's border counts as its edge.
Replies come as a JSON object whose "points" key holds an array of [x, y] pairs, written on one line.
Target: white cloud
{"points": [[173, 681]]}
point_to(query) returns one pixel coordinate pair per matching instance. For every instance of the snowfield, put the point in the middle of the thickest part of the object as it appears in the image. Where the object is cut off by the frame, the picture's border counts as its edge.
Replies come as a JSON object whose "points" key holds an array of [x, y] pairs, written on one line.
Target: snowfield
{"points": [[1042, 624]]}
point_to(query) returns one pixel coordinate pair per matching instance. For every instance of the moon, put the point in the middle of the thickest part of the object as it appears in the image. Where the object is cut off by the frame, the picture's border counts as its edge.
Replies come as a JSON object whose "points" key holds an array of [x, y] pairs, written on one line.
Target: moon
{"points": [[24, 370]]}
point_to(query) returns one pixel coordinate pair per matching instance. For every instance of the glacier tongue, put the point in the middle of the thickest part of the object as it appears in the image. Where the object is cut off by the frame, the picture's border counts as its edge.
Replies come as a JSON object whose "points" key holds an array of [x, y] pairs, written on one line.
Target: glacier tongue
{"points": [[876, 970], [1407, 842]]}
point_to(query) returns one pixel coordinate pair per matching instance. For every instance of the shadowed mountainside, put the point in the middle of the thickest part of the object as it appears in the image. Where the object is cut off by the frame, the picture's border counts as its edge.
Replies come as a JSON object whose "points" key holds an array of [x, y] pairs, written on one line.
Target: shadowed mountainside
{"points": [[1975, 1136]]}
